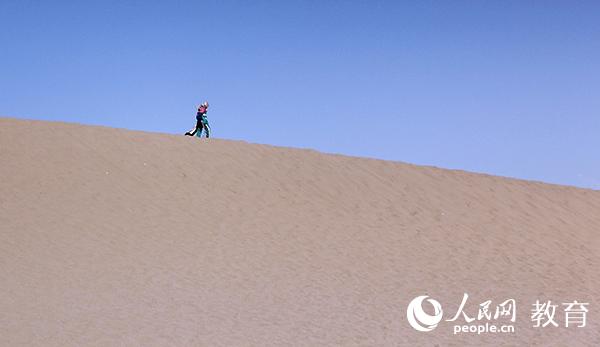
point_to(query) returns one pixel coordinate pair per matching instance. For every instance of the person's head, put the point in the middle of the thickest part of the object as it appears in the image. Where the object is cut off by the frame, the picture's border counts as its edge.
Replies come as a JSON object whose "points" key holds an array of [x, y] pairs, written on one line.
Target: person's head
{"points": [[205, 104]]}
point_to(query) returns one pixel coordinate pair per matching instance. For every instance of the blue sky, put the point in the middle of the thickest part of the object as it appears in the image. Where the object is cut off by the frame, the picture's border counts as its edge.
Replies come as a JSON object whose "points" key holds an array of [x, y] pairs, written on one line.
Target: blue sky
{"points": [[503, 87]]}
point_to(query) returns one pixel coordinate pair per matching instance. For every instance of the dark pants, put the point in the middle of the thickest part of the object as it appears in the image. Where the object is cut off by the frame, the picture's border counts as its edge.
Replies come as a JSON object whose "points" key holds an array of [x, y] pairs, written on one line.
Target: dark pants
{"points": [[200, 125]]}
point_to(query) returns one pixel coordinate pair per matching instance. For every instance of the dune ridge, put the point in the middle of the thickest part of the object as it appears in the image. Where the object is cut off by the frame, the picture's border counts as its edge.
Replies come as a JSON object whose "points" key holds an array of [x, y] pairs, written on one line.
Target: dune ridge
{"points": [[116, 237]]}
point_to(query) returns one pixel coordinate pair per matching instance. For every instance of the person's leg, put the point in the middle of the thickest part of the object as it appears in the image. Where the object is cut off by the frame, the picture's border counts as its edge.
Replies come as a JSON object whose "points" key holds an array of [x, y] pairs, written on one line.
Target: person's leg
{"points": [[195, 131], [192, 132], [206, 126], [207, 130]]}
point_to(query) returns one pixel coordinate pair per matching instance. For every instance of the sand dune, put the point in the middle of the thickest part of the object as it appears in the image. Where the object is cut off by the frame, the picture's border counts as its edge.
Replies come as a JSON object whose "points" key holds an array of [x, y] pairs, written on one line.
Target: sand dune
{"points": [[111, 237]]}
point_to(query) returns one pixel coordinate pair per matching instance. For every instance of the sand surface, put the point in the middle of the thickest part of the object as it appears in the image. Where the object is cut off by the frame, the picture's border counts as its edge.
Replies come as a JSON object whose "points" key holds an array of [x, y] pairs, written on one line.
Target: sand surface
{"points": [[111, 237]]}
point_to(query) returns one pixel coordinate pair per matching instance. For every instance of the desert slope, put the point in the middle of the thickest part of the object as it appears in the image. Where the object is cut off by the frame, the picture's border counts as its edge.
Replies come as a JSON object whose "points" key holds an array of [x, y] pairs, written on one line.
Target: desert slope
{"points": [[112, 237]]}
